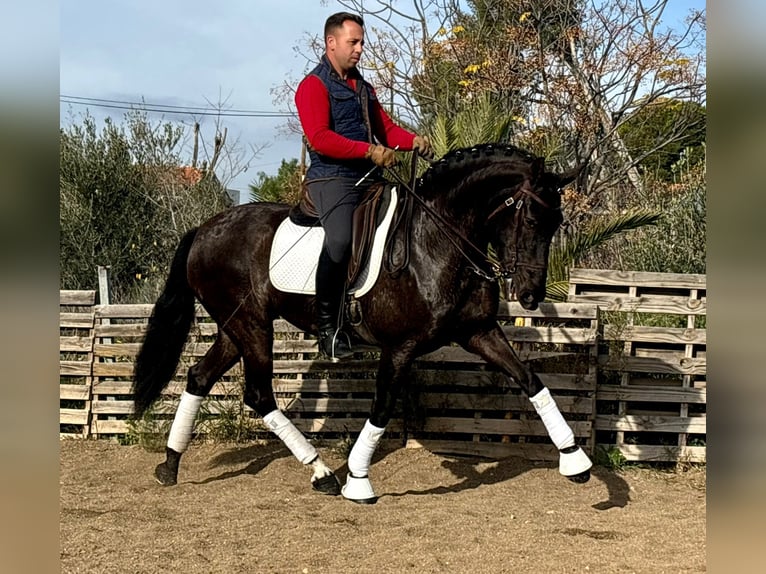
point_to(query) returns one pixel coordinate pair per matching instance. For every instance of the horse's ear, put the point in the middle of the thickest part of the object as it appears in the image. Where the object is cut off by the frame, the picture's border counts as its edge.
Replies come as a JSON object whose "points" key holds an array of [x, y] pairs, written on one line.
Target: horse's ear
{"points": [[538, 168]]}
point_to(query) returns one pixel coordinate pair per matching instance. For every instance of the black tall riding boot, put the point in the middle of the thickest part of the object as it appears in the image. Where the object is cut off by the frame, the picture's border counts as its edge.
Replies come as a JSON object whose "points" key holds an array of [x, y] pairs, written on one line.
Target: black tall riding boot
{"points": [[330, 287]]}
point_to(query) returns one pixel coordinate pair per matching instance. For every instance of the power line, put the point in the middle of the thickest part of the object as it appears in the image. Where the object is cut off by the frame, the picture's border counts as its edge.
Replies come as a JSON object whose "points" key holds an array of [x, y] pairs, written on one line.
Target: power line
{"points": [[169, 109]]}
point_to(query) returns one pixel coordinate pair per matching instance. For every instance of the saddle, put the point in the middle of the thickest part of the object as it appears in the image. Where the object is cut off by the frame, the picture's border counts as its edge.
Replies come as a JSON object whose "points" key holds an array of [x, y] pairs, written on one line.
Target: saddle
{"points": [[367, 217]]}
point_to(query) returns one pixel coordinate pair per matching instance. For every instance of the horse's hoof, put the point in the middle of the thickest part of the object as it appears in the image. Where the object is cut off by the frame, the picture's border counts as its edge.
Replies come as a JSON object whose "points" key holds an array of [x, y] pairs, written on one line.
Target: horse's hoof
{"points": [[372, 500], [327, 485], [580, 478], [575, 464], [164, 475], [359, 490]]}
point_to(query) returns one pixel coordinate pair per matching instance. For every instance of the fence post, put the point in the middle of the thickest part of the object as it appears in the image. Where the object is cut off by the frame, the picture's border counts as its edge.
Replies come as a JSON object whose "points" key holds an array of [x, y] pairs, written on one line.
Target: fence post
{"points": [[103, 299]]}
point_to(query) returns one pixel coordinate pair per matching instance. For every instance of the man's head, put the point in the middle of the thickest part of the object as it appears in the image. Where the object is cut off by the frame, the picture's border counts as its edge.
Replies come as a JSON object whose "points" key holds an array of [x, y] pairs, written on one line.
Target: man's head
{"points": [[344, 39]]}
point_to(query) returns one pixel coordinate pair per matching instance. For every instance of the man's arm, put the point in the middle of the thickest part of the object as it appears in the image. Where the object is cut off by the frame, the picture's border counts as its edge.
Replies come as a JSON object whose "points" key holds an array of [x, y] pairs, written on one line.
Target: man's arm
{"points": [[387, 132], [313, 104]]}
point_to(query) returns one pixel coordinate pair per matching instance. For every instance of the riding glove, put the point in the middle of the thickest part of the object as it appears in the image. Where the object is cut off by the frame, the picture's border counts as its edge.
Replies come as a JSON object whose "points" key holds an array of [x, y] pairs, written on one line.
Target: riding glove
{"points": [[423, 147], [381, 155]]}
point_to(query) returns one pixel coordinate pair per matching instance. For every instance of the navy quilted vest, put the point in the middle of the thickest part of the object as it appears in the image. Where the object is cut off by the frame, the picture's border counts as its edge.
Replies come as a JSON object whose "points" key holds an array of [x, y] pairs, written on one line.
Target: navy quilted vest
{"points": [[349, 117]]}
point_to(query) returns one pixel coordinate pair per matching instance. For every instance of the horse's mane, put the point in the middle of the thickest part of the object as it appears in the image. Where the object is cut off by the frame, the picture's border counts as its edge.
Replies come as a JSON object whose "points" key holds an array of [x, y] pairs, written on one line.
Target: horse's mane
{"points": [[454, 166]]}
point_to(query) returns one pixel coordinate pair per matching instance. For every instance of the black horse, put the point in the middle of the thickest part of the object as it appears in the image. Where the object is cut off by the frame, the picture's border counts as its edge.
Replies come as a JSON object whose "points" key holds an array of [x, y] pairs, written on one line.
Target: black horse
{"points": [[492, 194]]}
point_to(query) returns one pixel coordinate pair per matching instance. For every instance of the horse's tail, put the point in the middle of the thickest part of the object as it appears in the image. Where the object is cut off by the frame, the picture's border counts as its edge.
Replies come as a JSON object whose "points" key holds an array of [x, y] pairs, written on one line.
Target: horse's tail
{"points": [[168, 327]]}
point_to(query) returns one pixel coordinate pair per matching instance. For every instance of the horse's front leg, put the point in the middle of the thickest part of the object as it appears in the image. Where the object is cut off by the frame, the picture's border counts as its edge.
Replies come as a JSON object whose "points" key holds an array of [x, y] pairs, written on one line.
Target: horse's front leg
{"points": [[494, 348], [393, 367]]}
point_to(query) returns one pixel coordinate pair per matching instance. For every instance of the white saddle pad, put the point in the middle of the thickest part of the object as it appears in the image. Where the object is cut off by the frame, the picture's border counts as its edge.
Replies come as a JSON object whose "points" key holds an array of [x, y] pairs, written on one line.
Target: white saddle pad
{"points": [[295, 253]]}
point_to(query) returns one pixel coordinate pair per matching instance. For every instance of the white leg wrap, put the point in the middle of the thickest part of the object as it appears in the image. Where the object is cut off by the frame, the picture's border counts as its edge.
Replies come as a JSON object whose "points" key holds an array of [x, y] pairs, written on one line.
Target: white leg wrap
{"points": [[281, 426], [183, 423], [558, 429], [361, 454]]}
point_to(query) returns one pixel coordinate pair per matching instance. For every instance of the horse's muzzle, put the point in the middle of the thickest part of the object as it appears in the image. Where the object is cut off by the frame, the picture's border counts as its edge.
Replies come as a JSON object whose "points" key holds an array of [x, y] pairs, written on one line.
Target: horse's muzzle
{"points": [[528, 301]]}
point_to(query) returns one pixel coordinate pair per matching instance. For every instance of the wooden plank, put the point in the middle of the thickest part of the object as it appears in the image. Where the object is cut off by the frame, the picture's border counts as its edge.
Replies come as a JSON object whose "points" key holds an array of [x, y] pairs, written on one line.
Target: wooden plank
{"points": [[652, 394], [75, 344], [469, 402], [113, 369], [293, 405], [230, 389], [279, 367], [636, 423], [75, 320], [496, 380], [77, 297], [494, 450], [637, 278], [116, 388], [74, 392], [656, 453], [313, 426], [338, 386], [551, 334], [341, 425], [460, 355], [546, 310], [321, 365], [131, 311], [323, 405], [136, 330], [116, 349], [684, 365], [73, 417], [655, 334], [75, 368], [645, 304], [100, 426], [100, 407], [462, 425]]}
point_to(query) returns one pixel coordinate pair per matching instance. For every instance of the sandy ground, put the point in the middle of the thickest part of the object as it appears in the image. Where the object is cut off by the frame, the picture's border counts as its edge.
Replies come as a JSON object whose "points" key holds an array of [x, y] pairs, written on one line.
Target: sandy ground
{"points": [[250, 508]]}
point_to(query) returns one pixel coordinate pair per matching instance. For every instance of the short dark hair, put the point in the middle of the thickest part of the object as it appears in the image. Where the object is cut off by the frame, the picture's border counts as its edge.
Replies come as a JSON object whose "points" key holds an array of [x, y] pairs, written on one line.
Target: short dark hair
{"points": [[336, 21]]}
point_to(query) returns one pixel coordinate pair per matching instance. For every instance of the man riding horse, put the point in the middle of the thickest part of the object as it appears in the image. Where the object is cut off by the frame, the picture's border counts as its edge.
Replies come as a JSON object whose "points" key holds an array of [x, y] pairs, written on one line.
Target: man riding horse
{"points": [[341, 119]]}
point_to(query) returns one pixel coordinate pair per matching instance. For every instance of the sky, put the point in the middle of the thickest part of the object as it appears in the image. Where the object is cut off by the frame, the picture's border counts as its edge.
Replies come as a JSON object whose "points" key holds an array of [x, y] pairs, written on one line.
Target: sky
{"points": [[191, 54]]}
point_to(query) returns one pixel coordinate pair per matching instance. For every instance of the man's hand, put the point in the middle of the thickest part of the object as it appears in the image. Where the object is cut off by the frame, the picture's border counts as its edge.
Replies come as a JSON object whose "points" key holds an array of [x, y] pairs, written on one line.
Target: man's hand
{"points": [[423, 147], [381, 155]]}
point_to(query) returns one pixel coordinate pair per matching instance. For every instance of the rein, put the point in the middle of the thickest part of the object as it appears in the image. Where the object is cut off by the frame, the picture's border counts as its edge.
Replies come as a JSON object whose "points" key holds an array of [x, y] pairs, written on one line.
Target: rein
{"points": [[447, 228]]}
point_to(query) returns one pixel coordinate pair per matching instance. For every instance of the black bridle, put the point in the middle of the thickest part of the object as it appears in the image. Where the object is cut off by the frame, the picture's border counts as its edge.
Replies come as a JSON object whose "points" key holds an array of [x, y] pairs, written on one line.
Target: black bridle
{"points": [[500, 269]]}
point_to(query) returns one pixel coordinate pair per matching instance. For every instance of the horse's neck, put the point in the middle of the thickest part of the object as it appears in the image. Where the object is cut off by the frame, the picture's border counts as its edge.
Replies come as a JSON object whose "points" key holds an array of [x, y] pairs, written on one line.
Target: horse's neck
{"points": [[447, 230]]}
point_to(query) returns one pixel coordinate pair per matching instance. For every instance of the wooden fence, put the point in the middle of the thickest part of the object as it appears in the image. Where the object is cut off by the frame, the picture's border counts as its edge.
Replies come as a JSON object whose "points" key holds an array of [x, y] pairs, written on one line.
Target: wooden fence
{"points": [[455, 404], [651, 399]]}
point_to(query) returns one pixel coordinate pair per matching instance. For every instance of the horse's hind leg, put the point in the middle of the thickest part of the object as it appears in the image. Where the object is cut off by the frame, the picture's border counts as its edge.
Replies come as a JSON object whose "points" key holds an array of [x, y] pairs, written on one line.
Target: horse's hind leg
{"points": [[493, 347], [200, 379], [259, 396]]}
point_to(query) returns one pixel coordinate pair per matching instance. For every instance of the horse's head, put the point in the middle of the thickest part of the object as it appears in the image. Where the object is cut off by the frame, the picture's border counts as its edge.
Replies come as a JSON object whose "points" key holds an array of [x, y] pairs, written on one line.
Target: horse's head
{"points": [[521, 225], [501, 195]]}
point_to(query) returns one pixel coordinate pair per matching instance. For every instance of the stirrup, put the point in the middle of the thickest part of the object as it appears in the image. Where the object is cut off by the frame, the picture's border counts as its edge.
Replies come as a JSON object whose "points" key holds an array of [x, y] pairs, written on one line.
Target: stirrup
{"points": [[338, 347]]}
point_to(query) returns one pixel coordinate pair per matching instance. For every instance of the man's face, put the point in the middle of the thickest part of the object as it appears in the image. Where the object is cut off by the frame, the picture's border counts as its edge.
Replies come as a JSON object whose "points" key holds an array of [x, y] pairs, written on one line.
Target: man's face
{"points": [[344, 47]]}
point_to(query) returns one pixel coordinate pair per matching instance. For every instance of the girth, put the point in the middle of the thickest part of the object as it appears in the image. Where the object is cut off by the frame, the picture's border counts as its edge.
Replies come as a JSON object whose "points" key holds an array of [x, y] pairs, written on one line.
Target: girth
{"points": [[366, 218]]}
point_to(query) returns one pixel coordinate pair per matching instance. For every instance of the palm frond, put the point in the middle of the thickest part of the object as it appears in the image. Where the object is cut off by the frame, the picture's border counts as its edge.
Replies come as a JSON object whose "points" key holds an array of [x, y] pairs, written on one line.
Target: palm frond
{"points": [[443, 136], [598, 232], [557, 290]]}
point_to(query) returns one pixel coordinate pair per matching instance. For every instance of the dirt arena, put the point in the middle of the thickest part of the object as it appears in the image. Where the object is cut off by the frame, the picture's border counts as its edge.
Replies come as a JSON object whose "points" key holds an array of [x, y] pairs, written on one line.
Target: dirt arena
{"points": [[240, 508]]}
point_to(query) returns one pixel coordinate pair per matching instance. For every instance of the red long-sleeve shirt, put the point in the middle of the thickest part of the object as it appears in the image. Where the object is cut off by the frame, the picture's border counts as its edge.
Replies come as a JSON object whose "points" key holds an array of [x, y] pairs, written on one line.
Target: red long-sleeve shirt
{"points": [[313, 104]]}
